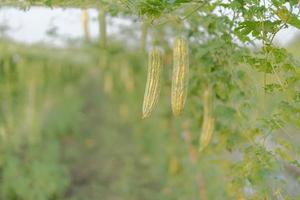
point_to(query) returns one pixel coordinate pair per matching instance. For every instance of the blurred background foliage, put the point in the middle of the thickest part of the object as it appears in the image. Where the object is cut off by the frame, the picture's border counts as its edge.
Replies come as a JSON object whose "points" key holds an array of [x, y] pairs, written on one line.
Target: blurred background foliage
{"points": [[70, 117]]}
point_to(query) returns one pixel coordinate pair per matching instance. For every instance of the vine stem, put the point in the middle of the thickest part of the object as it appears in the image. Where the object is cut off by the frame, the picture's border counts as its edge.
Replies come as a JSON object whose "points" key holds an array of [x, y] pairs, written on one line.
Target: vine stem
{"points": [[185, 17], [102, 27], [144, 34], [85, 24]]}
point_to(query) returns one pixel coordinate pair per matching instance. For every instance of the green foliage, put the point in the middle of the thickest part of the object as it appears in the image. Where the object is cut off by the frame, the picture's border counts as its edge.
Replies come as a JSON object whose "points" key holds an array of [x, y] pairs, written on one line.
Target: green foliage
{"points": [[32, 96], [34, 175], [256, 105], [245, 83]]}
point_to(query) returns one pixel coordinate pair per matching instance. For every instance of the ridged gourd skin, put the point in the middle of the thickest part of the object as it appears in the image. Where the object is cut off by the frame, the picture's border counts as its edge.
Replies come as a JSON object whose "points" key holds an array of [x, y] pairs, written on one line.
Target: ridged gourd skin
{"points": [[180, 75], [208, 120], [153, 82]]}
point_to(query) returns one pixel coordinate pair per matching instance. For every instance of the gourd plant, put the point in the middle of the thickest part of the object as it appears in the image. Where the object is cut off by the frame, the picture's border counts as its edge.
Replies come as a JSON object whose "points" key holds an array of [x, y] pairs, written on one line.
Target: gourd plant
{"points": [[37, 107], [253, 82], [252, 123]]}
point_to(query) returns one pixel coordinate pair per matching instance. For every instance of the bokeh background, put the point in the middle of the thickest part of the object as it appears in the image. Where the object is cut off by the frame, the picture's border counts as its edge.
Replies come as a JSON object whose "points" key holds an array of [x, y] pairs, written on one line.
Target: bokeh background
{"points": [[70, 114]]}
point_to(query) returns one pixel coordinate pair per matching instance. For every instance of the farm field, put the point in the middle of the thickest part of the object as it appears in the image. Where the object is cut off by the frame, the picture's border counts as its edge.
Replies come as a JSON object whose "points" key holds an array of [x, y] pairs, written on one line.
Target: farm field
{"points": [[148, 99]]}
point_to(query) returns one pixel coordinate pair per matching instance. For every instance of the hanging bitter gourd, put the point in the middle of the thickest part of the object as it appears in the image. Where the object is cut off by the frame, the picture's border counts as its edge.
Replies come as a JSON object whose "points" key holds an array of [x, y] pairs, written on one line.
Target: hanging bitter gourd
{"points": [[179, 75], [153, 82], [208, 120]]}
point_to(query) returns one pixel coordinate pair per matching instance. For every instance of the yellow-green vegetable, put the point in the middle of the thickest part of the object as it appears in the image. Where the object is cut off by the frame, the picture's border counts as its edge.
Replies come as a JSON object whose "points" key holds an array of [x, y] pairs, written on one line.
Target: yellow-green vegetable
{"points": [[180, 75], [208, 120], [153, 82]]}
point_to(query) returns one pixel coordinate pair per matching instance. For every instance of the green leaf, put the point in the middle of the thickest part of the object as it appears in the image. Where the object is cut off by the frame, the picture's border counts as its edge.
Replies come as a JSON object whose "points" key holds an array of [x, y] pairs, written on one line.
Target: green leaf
{"points": [[288, 17]]}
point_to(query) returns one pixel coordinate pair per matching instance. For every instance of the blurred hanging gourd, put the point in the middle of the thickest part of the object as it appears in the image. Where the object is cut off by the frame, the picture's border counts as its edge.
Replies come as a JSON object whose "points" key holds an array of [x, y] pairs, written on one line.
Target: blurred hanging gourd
{"points": [[126, 77], [208, 120], [31, 121], [108, 83], [174, 165]]}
